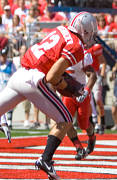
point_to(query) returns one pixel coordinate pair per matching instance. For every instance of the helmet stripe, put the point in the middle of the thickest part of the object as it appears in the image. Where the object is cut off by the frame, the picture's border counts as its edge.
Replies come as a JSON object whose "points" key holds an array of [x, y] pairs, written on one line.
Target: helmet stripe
{"points": [[76, 17]]}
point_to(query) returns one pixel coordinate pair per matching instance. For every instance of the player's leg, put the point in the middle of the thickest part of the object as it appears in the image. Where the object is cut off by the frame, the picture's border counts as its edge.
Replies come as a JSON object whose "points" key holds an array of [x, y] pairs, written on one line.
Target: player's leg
{"points": [[114, 113], [27, 108], [100, 108], [12, 94], [49, 103], [71, 105], [8, 100], [85, 122], [9, 118], [4, 127], [92, 137], [94, 111]]}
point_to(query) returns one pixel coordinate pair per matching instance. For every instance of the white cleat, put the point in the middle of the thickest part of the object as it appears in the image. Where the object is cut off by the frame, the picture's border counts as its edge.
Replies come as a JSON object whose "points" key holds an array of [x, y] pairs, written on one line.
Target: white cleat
{"points": [[4, 128], [48, 168]]}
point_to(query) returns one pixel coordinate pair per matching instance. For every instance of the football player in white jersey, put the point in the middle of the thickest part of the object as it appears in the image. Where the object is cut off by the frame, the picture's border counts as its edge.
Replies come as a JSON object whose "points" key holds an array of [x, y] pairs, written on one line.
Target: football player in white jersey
{"points": [[82, 105]]}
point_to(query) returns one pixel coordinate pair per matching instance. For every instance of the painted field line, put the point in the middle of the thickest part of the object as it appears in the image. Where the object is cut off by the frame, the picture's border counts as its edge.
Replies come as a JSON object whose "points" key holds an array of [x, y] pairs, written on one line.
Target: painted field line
{"points": [[66, 168], [57, 156], [62, 162], [67, 148]]}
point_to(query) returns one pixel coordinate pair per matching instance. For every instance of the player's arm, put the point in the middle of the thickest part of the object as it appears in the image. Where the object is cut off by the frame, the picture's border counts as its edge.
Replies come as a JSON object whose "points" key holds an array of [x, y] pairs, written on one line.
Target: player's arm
{"points": [[91, 81], [89, 71], [103, 62], [54, 75]]}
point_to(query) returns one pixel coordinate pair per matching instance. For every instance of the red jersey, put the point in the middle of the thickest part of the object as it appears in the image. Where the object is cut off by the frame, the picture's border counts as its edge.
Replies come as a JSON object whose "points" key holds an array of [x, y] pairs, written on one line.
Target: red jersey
{"points": [[59, 43], [114, 6], [96, 51]]}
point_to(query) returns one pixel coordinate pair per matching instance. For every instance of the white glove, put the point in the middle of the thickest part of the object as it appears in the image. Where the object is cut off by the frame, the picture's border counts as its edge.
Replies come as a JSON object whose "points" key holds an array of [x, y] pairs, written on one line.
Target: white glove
{"points": [[83, 96]]}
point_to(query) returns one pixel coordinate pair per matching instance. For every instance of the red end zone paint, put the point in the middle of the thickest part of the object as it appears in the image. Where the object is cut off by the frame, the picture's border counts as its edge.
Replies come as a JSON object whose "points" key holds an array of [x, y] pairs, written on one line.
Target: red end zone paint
{"points": [[12, 154]]}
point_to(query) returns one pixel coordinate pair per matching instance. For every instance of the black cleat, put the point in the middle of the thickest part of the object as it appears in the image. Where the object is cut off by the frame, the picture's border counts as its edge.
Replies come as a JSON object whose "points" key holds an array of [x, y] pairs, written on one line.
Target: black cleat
{"points": [[81, 153], [48, 168], [91, 145]]}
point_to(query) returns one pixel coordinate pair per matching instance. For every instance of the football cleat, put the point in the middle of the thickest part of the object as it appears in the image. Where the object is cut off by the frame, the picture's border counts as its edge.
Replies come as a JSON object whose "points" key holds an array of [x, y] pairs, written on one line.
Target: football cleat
{"points": [[81, 153], [101, 129], [5, 129], [48, 168], [91, 145], [97, 126], [50, 178]]}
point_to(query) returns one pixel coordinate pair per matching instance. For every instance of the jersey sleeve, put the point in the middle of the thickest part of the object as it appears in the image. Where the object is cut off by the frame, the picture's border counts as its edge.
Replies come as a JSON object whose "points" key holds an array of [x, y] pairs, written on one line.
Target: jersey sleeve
{"points": [[96, 50], [73, 53]]}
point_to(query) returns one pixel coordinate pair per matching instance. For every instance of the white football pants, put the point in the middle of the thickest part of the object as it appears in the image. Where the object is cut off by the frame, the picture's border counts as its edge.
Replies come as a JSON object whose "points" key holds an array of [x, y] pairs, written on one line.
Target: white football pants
{"points": [[23, 85]]}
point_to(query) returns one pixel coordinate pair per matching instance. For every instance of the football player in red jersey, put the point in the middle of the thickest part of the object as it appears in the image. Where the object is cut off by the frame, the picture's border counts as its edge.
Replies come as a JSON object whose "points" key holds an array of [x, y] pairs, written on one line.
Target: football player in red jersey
{"points": [[42, 66]]}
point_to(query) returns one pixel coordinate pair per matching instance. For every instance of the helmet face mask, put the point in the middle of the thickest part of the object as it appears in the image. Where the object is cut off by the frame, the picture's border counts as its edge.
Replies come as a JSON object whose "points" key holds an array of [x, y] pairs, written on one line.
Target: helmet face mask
{"points": [[84, 24], [90, 40]]}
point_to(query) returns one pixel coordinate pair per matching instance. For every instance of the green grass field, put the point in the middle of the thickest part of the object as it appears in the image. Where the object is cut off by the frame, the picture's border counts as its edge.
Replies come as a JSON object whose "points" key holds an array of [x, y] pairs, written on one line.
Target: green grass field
{"points": [[37, 132]]}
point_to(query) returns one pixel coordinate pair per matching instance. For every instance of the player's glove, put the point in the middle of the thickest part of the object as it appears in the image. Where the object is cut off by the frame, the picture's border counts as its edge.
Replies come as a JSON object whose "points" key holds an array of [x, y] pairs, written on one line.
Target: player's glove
{"points": [[81, 98]]}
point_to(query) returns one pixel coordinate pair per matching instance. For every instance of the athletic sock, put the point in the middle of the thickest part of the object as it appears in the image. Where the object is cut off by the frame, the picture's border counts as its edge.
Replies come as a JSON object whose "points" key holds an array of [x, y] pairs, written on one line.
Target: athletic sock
{"points": [[52, 143], [91, 120], [76, 142], [91, 137]]}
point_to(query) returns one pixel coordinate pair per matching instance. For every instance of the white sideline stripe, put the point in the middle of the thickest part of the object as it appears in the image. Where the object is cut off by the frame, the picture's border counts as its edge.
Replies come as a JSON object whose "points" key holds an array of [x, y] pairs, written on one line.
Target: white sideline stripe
{"points": [[56, 156], [89, 170], [65, 148], [66, 168], [107, 142], [67, 162]]}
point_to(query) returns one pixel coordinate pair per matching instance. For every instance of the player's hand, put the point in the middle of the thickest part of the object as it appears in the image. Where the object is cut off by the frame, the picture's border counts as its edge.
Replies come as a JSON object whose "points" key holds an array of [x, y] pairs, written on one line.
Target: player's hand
{"points": [[84, 95]]}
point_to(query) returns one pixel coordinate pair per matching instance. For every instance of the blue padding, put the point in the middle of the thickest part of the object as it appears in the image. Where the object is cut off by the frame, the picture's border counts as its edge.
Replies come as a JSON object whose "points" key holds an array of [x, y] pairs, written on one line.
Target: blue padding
{"points": [[78, 9]]}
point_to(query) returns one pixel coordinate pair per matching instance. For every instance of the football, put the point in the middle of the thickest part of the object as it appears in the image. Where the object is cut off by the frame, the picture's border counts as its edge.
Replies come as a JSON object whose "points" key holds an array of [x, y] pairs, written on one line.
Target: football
{"points": [[73, 89]]}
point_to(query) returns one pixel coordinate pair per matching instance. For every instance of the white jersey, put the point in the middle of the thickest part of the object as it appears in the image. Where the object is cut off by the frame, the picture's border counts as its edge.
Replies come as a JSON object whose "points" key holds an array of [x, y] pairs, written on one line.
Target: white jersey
{"points": [[77, 70]]}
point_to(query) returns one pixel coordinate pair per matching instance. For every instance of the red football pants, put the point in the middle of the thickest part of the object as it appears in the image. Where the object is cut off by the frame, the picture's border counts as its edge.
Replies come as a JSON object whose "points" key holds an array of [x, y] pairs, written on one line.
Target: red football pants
{"points": [[83, 109]]}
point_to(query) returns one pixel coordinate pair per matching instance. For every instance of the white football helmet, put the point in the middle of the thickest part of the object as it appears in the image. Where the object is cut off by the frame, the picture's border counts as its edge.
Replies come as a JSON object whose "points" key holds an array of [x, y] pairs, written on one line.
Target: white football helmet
{"points": [[84, 24]]}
